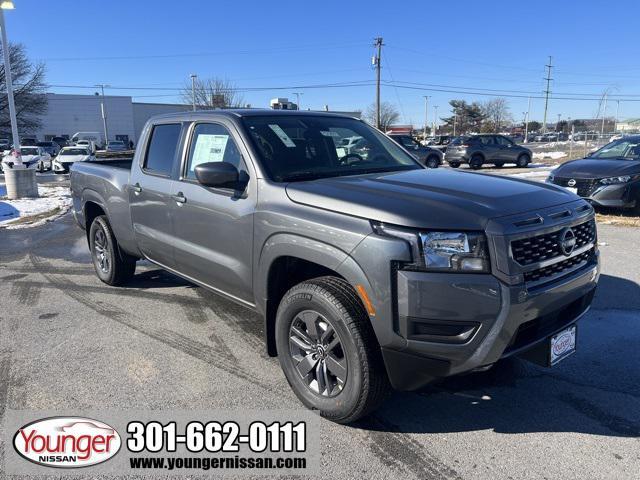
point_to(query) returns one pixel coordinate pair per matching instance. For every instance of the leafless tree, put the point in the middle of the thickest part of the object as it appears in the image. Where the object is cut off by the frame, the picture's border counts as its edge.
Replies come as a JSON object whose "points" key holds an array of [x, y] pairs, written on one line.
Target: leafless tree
{"points": [[388, 115], [497, 114], [213, 93], [28, 91]]}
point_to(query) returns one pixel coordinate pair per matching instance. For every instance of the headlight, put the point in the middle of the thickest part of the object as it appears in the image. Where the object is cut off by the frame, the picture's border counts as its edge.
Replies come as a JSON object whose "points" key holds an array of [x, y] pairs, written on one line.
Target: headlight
{"points": [[615, 180], [441, 251]]}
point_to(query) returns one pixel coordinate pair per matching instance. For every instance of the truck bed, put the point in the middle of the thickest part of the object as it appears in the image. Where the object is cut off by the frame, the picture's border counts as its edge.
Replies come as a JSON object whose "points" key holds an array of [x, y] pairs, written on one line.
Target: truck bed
{"points": [[124, 163]]}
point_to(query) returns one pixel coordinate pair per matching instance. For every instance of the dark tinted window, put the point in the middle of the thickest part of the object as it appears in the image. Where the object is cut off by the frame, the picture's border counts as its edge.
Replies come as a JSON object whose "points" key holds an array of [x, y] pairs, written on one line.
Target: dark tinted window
{"points": [[485, 140], [162, 148], [459, 140], [503, 141], [211, 143]]}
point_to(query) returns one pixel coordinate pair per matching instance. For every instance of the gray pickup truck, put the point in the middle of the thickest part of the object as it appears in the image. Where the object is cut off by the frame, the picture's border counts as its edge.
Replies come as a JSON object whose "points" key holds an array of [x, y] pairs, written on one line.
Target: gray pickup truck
{"points": [[370, 271]]}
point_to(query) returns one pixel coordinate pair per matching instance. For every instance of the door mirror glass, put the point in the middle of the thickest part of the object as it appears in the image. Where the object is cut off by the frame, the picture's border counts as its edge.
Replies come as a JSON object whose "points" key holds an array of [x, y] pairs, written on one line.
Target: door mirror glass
{"points": [[217, 174]]}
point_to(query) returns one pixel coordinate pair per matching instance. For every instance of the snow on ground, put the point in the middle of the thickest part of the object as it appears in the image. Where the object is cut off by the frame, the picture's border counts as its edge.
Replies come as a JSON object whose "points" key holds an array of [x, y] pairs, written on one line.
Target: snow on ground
{"points": [[54, 199], [552, 155]]}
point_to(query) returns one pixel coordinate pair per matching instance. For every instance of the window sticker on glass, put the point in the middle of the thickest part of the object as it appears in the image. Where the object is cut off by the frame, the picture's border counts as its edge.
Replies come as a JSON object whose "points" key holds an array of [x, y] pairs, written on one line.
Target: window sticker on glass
{"points": [[329, 133], [282, 136], [209, 148]]}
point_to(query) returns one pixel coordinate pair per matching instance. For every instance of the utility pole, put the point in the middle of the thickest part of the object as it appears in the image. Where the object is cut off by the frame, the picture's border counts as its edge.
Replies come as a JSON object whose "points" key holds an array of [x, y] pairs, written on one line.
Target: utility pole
{"points": [[604, 113], [526, 121], [615, 127], [297, 94], [377, 62], [426, 115], [546, 94], [193, 90], [104, 112], [558, 122], [455, 120], [435, 119]]}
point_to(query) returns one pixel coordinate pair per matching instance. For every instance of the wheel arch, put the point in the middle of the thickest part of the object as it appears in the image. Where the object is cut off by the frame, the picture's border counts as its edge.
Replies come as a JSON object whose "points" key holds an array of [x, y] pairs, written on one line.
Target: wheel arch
{"points": [[287, 260]]}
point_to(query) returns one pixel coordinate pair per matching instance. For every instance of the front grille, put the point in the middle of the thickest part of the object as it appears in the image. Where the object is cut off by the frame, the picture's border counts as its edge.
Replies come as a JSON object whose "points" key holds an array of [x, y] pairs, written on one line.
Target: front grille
{"points": [[585, 187], [560, 267], [531, 250]]}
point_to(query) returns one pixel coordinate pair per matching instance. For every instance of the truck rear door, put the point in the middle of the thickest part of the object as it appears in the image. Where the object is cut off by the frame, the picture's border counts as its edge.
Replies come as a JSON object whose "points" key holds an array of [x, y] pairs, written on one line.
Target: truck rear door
{"points": [[150, 193]]}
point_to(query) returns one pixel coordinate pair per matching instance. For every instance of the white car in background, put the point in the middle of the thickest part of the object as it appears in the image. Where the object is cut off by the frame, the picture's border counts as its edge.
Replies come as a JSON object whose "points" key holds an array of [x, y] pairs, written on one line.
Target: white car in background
{"points": [[32, 157], [70, 155]]}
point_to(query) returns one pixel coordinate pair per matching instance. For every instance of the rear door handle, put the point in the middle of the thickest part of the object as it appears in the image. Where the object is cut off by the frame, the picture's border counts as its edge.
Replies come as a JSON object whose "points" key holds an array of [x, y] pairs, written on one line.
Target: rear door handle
{"points": [[137, 188], [179, 197]]}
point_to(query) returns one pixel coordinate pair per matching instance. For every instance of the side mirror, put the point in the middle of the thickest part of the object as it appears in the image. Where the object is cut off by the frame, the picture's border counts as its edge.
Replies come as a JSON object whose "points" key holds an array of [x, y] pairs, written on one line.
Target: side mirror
{"points": [[217, 174], [589, 154]]}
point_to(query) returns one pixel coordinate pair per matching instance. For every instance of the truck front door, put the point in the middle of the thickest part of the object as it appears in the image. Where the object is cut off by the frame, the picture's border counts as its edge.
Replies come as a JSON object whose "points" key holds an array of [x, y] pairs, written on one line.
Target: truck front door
{"points": [[214, 226], [150, 194]]}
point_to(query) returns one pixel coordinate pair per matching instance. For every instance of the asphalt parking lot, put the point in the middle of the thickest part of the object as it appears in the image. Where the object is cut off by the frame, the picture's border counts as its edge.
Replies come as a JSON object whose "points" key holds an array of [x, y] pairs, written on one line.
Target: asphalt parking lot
{"points": [[67, 341]]}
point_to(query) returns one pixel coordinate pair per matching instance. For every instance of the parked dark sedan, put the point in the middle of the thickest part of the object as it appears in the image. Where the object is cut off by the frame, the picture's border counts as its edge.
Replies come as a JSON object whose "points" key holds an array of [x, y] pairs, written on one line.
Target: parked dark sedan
{"points": [[609, 177], [427, 156]]}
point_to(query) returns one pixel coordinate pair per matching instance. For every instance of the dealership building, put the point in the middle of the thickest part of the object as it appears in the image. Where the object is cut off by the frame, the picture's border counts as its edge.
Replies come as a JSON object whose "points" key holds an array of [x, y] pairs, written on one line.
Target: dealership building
{"points": [[68, 114]]}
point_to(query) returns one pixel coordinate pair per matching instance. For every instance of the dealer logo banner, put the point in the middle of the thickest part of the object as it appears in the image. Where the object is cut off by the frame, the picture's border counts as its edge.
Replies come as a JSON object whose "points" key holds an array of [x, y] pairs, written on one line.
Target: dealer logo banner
{"points": [[67, 442]]}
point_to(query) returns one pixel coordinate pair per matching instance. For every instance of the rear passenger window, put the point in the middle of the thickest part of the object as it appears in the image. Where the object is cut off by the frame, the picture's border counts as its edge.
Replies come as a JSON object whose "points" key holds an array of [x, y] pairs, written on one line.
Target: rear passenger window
{"points": [[162, 148], [211, 142]]}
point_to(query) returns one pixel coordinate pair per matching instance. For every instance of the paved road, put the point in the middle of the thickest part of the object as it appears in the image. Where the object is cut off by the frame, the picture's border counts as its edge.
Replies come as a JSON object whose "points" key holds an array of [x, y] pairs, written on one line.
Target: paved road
{"points": [[69, 341]]}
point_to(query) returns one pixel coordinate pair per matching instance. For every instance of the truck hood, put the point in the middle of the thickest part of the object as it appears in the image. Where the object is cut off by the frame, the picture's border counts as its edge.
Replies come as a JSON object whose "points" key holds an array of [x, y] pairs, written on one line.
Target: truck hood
{"points": [[428, 198], [597, 168]]}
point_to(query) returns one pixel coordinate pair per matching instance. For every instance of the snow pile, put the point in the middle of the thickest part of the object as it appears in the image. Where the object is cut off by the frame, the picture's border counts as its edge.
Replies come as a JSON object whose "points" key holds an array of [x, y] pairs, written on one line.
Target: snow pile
{"points": [[53, 202], [552, 155]]}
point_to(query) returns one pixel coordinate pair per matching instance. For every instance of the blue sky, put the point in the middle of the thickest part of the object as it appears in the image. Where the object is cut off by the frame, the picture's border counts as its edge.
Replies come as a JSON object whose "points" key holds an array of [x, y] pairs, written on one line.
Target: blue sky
{"points": [[478, 46]]}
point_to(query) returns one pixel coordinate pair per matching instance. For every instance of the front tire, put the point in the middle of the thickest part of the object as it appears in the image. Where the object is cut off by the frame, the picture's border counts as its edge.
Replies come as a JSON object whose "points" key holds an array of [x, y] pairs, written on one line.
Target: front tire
{"points": [[523, 161], [476, 162], [328, 351], [433, 161], [112, 265]]}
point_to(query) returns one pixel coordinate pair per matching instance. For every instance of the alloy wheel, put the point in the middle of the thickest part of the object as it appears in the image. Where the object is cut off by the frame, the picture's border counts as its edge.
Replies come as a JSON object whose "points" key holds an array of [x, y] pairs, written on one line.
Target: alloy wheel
{"points": [[101, 251], [316, 350]]}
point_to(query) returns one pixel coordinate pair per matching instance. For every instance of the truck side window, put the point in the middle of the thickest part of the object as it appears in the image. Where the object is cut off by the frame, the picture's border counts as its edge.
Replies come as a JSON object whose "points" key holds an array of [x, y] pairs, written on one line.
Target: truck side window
{"points": [[211, 142], [162, 148]]}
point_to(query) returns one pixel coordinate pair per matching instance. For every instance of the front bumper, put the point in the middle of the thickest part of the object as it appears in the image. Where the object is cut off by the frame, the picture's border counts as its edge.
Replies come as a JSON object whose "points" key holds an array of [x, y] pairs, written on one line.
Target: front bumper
{"points": [[456, 323]]}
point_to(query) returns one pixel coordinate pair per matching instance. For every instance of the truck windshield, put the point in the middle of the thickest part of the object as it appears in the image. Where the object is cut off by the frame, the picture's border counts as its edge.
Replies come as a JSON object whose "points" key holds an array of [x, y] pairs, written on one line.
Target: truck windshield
{"points": [[297, 148]]}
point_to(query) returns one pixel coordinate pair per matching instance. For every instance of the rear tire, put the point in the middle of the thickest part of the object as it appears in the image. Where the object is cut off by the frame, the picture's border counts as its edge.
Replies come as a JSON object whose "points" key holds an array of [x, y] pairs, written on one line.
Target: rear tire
{"points": [[328, 351], [433, 161], [112, 265], [476, 162], [523, 161], [454, 164], [499, 165]]}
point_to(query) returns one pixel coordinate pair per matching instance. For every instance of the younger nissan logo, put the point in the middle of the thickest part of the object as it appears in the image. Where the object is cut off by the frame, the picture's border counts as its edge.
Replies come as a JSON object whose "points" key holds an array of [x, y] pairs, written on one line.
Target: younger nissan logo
{"points": [[567, 241], [571, 183]]}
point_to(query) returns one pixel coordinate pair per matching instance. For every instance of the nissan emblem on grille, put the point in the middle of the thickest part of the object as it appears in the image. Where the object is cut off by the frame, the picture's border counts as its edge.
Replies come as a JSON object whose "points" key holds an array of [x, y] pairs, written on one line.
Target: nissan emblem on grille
{"points": [[571, 183], [567, 241]]}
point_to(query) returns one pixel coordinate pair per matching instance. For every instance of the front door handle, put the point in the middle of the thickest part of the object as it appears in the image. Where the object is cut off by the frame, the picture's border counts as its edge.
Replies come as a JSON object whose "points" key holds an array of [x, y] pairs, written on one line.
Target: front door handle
{"points": [[137, 189], [179, 197]]}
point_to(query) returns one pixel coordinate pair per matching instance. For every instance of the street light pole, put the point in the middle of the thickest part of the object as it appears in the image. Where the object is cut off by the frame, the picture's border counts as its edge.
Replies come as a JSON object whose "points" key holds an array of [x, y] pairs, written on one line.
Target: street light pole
{"points": [[426, 115], [526, 121], [297, 94], [193, 90], [104, 112], [20, 181], [9, 81]]}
